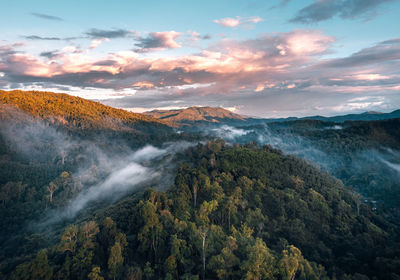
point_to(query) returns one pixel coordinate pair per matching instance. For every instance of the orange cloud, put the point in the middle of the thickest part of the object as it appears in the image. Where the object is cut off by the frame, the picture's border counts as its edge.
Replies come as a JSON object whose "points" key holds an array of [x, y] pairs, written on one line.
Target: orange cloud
{"points": [[143, 85]]}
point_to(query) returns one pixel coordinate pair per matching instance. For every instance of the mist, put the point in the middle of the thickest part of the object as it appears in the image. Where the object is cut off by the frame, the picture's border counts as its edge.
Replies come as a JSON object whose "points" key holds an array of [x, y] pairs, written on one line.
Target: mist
{"points": [[228, 132], [389, 158], [371, 169], [103, 169], [286, 141]]}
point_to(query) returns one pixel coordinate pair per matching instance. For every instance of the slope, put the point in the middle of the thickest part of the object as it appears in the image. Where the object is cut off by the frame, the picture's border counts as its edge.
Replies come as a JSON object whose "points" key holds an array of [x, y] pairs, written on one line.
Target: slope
{"points": [[72, 112], [192, 114], [239, 212]]}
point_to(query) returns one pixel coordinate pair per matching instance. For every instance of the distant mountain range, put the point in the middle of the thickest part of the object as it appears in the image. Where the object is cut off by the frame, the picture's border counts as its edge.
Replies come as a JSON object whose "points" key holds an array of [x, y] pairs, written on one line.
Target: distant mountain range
{"points": [[192, 114], [78, 113], [366, 116], [221, 115]]}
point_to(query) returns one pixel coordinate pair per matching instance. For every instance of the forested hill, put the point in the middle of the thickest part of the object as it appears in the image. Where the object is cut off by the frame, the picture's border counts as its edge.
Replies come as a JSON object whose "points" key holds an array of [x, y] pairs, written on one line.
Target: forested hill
{"points": [[70, 111], [234, 212], [192, 114]]}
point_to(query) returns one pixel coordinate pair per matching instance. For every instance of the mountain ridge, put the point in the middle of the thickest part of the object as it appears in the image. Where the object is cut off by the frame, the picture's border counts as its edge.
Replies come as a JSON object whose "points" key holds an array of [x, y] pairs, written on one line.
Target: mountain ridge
{"points": [[219, 114], [365, 116], [70, 111], [192, 114]]}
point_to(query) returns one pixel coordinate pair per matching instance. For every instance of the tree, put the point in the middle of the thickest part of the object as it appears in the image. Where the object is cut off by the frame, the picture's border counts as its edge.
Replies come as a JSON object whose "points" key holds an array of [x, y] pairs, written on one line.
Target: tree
{"points": [[134, 273], [203, 234], [69, 239], [51, 188], [289, 263], [88, 230], [224, 263], [195, 188], [148, 271], [205, 210], [40, 268], [260, 262], [82, 260], [150, 232], [95, 274], [232, 203], [115, 260]]}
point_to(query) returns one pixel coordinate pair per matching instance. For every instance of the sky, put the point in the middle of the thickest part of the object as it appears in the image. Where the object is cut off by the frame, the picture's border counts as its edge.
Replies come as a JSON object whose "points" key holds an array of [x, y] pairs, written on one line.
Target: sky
{"points": [[258, 58]]}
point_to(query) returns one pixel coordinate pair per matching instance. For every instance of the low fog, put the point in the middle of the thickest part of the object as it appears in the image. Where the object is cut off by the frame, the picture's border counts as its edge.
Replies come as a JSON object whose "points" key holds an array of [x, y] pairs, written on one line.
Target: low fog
{"points": [[390, 158], [287, 142], [368, 170], [149, 165], [103, 170], [107, 169]]}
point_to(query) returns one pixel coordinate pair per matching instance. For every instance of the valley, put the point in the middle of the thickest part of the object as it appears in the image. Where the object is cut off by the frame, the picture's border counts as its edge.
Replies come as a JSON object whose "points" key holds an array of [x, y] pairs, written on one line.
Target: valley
{"points": [[89, 190]]}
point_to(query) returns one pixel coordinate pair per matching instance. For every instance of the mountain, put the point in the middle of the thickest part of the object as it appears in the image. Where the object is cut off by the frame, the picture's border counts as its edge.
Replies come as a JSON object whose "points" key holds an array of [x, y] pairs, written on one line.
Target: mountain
{"points": [[219, 115], [70, 111], [366, 116], [193, 114]]}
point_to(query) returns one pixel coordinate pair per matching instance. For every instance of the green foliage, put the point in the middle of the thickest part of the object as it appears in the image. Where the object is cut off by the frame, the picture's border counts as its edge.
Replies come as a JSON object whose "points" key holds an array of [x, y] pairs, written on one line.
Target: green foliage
{"points": [[37, 269], [258, 215], [95, 274], [115, 260]]}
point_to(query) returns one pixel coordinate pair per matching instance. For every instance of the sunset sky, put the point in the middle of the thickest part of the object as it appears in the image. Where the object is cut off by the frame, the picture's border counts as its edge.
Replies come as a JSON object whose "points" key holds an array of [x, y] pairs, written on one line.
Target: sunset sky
{"points": [[259, 58]]}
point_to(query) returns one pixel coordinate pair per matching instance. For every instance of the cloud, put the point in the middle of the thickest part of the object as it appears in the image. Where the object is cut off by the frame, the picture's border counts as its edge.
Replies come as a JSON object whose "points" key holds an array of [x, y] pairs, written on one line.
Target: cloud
{"points": [[195, 36], [228, 65], [35, 37], [158, 41], [110, 34], [48, 17], [384, 51], [49, 54], [277, 74], [322, 10], [97, 42], [234, 22]]}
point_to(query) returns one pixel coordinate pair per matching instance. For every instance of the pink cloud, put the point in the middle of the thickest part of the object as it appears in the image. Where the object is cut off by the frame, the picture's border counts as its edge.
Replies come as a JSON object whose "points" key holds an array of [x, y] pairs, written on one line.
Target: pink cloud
{"points": [[228, 22], [284, 62], [234, 22], [97, 42], [229, 65], [304, 42], [159, 41]]}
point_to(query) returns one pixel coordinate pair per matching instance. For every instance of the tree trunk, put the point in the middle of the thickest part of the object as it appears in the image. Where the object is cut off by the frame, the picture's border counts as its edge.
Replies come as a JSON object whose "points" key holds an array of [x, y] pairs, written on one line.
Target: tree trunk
{"points": [[62, 157], [194, 195], [229, 219], [51, 196], [203, 235], [294, 275]]}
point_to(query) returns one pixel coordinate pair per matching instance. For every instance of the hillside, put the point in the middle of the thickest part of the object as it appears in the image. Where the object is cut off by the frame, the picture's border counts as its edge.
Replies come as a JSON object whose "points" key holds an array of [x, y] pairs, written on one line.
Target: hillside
{"points": [[191, 114], [70, 111], [363, 154], [240, 212], [76, 205]]}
